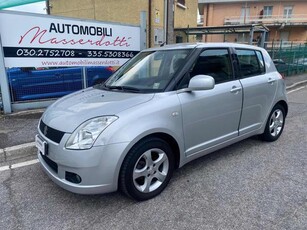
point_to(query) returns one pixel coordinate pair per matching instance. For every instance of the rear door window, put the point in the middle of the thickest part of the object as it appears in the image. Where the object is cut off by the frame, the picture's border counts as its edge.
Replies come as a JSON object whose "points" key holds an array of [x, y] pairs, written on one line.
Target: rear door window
{"points": [[251, 62]]}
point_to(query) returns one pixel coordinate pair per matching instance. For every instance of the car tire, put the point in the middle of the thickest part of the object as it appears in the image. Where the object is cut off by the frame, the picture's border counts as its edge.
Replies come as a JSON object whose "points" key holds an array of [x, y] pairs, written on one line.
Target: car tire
{"points": [[275, 124], [147, 169]]}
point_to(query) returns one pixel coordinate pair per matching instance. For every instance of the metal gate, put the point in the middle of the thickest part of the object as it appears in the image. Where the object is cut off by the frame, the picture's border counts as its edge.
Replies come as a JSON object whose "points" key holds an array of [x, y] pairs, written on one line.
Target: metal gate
{"points": [[290, 58]]}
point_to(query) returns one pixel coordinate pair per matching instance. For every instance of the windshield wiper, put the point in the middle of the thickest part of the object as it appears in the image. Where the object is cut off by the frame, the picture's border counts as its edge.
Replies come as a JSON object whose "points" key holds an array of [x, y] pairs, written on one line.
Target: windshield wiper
{"points": [[124, 88]]}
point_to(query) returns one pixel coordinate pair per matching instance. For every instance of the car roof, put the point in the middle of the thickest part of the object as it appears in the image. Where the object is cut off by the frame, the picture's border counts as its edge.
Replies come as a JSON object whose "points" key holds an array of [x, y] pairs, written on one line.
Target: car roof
{"points": [[203, 45]]}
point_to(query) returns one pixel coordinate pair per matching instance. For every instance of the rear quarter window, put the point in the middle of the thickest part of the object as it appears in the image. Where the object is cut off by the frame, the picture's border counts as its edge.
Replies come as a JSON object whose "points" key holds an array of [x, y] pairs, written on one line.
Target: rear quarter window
{"points": [[261, 61], [251, 62]]}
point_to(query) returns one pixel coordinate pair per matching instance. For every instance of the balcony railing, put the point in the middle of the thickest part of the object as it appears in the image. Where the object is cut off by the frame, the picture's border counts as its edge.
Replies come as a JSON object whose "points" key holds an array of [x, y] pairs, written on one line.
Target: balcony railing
{"points": [[297, 19]]}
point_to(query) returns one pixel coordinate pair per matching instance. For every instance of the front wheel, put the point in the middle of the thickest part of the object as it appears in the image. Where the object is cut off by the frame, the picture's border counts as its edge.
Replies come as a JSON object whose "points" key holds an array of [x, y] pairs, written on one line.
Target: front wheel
{"points": [[147, 169], [275, 124]]}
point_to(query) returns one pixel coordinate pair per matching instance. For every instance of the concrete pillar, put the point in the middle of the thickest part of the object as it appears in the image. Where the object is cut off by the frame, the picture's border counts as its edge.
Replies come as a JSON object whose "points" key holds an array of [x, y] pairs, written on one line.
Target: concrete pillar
{"points": [[5, 91], [143, 39], [263, 38], [251, 36], [170, 22]]}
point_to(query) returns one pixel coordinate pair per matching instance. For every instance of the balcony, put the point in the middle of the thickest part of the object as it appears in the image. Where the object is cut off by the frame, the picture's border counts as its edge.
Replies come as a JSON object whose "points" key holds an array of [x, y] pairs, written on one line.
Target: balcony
{"points": [[296, 19]]}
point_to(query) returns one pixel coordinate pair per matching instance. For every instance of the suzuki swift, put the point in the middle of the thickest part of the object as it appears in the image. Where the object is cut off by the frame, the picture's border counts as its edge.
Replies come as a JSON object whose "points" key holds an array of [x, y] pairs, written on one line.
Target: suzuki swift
{"points": [[164, 108]]}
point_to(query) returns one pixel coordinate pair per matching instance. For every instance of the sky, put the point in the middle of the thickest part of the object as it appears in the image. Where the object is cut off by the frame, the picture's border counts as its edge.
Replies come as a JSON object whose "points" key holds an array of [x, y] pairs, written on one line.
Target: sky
{"points": [[39, 8]]}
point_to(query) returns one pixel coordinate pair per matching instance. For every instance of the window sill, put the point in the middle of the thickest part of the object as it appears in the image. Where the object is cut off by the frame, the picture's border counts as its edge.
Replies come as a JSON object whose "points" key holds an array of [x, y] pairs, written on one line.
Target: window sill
{"points": [[181, 6]]}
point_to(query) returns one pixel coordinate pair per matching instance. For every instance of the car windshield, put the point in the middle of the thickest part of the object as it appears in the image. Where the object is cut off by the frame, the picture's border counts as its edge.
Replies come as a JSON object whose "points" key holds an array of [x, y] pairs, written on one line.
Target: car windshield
{"points": [[148, 72]]}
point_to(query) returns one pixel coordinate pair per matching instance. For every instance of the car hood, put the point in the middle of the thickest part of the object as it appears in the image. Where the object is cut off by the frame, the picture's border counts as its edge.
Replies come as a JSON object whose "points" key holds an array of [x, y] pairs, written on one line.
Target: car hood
{"points": [[67, 113]]}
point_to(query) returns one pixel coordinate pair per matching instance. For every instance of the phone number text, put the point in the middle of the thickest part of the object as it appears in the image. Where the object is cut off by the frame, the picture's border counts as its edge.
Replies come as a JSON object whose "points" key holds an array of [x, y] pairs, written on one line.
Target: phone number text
{"points": [[66, 53]]}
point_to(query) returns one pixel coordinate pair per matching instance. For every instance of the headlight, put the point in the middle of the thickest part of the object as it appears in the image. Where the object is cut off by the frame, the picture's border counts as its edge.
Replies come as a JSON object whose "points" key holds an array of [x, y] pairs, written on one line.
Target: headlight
{"points": [[86, 134]]}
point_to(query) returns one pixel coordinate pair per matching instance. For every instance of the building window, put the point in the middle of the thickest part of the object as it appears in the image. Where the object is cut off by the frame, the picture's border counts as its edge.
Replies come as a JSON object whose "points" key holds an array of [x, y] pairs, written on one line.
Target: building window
{"points": [[179, 39], [245, 13], [182, 2], [267, 11], [288, 11]]}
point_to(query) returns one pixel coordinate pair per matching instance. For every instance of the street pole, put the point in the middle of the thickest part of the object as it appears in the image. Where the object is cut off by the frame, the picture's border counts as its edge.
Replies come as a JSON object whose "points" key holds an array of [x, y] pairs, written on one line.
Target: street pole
{"points": [[143, 40], [170, 22]]}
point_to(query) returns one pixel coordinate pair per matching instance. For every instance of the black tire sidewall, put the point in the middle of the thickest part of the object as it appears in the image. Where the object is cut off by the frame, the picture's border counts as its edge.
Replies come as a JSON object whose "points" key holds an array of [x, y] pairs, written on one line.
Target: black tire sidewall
{"points": [[267, 136], [133, 156]]}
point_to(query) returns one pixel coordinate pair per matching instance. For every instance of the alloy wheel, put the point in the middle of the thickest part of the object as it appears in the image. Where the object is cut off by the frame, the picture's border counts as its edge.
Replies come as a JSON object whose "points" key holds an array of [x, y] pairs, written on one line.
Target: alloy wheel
{"points": [[150, 170], [276, 122]]}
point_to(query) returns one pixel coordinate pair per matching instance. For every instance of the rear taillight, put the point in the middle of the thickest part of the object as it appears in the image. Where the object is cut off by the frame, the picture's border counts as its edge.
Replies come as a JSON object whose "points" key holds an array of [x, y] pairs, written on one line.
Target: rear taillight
{"points": [[281, 76], [110, 68]]}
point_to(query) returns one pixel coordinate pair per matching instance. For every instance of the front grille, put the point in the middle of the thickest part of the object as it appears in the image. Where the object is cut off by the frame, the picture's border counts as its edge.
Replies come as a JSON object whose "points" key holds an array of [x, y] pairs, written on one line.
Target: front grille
{"points": [[50, 163], [51, 133]]}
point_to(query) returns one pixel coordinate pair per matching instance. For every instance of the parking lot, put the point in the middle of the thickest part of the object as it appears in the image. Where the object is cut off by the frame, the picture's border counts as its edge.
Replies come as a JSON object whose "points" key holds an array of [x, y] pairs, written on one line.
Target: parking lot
{"points": [[249, 185]]}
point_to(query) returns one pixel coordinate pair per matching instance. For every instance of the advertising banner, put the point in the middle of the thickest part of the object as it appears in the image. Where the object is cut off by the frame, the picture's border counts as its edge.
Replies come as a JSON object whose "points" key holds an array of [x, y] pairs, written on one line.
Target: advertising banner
{"points": [[31, 40]]}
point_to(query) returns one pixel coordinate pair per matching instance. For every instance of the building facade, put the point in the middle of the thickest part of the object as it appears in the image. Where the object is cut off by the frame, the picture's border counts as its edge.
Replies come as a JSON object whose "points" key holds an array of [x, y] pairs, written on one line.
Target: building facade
{"points": [[128, 12], [285, 19]]}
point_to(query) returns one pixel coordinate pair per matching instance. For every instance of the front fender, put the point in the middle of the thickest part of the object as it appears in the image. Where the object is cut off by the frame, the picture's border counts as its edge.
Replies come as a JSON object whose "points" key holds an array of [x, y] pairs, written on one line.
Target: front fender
{"points": [[161, 115]]}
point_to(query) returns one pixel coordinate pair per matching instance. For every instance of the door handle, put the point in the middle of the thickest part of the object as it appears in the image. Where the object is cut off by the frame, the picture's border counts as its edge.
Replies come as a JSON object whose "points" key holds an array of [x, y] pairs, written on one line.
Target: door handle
{"points": [[235, 89], [271, 80]]}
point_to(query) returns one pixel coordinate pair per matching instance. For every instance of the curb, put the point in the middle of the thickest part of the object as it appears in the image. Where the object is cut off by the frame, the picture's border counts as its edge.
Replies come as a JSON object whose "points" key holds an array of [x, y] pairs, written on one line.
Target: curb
{"points": [[26, 112], [297, 84], [17, 152]]}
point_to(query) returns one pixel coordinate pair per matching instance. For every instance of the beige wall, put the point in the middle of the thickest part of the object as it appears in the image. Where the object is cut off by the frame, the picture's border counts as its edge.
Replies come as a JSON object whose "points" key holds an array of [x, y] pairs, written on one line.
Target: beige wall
{"points": [[296, 34], [186, 17], [114, 11], [126, 12], [72, 8]]}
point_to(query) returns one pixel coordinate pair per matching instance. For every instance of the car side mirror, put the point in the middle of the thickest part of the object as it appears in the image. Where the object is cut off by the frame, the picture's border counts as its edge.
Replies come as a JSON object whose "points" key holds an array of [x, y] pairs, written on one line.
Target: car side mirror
{"points": [[199, 82]]}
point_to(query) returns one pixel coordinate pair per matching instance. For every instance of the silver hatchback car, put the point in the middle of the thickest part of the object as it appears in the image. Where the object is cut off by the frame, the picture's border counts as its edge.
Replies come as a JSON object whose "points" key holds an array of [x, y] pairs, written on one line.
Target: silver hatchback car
{"points": [[162, 109]]}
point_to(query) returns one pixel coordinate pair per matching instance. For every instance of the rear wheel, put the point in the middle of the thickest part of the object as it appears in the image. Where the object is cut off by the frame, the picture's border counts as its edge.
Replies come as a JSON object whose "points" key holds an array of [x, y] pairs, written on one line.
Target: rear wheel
{"points": [[275, 124], [147, 169]]}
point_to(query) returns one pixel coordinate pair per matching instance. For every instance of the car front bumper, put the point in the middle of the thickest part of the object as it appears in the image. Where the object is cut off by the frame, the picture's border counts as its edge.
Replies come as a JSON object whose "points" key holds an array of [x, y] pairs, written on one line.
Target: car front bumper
{"points": [[98, 167]]}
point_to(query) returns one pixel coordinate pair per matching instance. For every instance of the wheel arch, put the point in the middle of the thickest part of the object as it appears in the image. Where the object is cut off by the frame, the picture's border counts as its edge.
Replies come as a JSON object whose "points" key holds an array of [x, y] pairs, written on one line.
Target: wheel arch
{"points": [[169, 140], [266, 133], [164, 137], [284, 105], [172, 143]]}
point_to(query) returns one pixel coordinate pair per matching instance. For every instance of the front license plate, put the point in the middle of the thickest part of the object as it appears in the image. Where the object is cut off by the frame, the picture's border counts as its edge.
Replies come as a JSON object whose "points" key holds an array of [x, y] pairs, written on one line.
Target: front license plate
{"points": [[41, 145]]}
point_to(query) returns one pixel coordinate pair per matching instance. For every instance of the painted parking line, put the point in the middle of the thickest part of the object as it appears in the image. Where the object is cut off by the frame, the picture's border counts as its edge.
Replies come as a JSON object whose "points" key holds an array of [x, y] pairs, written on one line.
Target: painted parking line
{"points": [[18, 165], [4, 168], [297, 89], [18, 147]]}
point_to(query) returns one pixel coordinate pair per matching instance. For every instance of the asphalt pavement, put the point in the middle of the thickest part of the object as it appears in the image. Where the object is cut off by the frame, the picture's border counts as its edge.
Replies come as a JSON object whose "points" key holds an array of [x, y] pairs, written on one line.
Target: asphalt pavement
{"points": [[249, 185], [17, 130]]}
